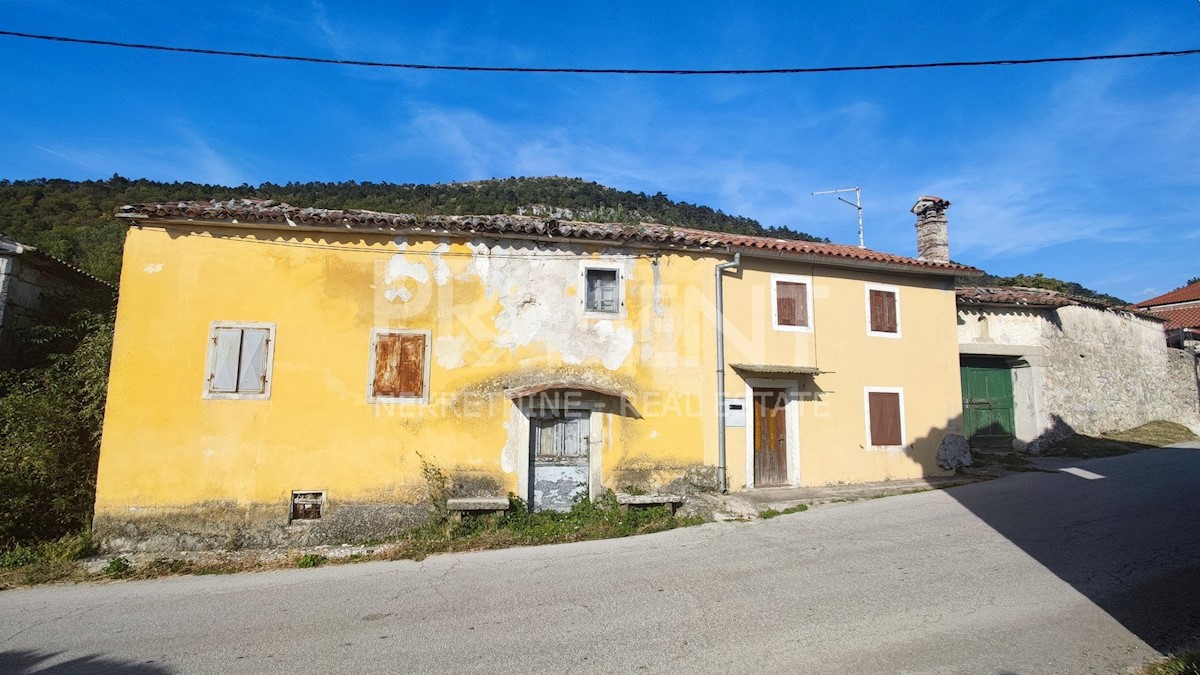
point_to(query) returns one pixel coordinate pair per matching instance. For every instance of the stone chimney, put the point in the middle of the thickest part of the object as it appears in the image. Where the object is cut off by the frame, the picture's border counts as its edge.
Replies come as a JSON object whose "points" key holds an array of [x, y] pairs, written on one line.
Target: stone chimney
{"points": [[933, 238]]}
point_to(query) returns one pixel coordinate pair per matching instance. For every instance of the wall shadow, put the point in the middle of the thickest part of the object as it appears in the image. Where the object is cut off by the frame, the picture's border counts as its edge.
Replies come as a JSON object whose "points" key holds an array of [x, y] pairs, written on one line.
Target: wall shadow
{"points": [[28, 662], [1130, 543]]}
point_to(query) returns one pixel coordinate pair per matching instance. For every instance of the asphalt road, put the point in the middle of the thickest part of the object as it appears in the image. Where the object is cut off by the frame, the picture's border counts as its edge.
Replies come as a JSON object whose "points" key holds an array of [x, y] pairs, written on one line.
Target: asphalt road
{"points": [[1035, 573]]}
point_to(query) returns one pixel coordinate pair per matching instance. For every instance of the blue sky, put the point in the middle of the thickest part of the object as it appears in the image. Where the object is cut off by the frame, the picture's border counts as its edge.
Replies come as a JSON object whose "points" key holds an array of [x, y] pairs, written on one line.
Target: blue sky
{"points": [[1088, 172]]}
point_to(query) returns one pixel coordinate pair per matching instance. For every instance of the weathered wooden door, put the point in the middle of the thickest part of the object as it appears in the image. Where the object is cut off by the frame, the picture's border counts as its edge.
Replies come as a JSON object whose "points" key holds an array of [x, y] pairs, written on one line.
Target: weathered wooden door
{"points": [[987, 403], [770, 437], [558, 459]]}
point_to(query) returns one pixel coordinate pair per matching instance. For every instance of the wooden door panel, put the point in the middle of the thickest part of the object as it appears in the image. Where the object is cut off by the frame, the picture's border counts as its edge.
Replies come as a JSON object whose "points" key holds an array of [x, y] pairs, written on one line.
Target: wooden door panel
{"points": [[988, 410], [558, 463], [770, 437]]}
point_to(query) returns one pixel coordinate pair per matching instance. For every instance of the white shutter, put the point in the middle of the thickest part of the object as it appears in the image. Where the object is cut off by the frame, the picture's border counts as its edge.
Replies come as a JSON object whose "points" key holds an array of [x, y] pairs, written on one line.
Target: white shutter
{"points": [[252, 374], [225, 356], [603, 290], [608, 294]]}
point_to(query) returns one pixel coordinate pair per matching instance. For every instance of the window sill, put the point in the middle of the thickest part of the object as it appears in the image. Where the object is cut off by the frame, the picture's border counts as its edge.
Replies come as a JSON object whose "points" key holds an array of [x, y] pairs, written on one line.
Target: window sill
{"points": [[401, 400], [210, 396], [597, 316], [792, 329]]}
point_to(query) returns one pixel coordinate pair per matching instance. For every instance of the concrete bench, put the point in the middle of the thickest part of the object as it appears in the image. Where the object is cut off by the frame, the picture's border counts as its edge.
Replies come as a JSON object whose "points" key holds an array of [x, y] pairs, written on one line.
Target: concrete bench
{"points": [[476, 506], [626, 501]]}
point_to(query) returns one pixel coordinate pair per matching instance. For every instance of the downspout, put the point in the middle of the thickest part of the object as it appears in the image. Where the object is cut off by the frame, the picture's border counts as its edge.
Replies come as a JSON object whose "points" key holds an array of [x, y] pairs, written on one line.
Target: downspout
{"points": [[722, 480]]}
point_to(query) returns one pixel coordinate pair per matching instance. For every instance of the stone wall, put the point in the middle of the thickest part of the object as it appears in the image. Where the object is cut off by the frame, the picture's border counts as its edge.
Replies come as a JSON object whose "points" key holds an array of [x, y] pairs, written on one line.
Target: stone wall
{"points": [[1109, 370], [1081, 369], [39, 291]]}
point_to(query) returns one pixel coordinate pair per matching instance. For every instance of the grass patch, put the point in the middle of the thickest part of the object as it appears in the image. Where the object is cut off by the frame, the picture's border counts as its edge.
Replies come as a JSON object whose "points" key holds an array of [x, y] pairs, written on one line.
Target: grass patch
{"points": [[311, 560], [586, 520], [767, 514], [1187, 663], [1110, 444], [46, 562]]}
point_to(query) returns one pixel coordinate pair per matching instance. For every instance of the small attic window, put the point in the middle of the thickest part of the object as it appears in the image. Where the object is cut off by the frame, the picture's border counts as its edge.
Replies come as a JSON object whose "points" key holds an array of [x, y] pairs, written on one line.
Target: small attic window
{"points": [[602, 292], [307, 505]]}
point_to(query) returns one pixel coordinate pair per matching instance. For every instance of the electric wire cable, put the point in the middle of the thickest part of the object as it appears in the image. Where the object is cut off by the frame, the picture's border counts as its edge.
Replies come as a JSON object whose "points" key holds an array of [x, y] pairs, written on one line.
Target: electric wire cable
{"points": [[595, 71]]}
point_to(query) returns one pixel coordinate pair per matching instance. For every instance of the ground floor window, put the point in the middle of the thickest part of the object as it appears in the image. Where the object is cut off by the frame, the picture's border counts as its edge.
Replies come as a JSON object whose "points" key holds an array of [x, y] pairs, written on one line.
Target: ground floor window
{"points": [[885, 417]]}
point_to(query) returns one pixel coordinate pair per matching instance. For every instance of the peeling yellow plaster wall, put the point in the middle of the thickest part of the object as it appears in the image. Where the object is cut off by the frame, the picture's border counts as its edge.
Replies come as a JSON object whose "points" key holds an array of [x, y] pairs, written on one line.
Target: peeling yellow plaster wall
{"points": [[501, 313]]}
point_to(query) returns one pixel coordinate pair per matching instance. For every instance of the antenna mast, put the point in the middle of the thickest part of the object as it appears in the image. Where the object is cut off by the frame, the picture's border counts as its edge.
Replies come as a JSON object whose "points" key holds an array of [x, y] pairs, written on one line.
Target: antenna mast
{"points": [[857, 204]]}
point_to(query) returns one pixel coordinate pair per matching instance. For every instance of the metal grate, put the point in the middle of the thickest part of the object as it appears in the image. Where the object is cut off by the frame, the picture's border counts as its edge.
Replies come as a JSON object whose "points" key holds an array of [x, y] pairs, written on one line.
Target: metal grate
{"points": [[307, 505]]}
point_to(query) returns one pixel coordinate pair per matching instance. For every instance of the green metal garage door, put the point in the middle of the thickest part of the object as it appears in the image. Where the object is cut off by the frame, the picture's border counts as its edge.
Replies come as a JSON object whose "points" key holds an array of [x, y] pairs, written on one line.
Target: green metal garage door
{"points": [[987, 403]]}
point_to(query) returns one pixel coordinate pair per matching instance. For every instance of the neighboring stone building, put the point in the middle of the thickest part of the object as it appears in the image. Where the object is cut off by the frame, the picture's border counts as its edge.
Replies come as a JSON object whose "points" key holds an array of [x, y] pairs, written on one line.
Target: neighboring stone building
{"points": [[1181, 310], [1039, 365], [37, 289]]}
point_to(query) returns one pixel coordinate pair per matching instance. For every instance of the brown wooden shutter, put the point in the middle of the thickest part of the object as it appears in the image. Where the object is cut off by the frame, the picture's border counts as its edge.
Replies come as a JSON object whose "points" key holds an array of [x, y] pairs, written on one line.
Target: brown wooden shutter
{"points": [[883, 311], [399, 365], [791, 303], [885, 418]]}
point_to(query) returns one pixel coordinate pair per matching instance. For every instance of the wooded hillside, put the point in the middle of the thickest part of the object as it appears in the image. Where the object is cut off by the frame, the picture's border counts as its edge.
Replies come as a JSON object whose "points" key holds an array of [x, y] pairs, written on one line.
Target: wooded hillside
{"points": [[74, 220]]}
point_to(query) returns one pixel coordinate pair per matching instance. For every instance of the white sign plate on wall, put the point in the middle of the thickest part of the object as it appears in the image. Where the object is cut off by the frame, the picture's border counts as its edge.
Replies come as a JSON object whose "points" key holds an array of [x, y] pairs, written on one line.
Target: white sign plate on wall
{"points": [[735, 412]]}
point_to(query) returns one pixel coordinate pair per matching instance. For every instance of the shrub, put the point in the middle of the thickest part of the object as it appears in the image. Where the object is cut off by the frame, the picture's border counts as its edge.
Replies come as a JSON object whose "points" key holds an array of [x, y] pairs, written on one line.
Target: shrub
{"points": [[50, 421]]}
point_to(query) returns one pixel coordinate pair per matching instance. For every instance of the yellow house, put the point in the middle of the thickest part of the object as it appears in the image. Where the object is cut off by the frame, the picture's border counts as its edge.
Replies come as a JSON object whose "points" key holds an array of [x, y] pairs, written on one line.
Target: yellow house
{"points": [[285, 374]]}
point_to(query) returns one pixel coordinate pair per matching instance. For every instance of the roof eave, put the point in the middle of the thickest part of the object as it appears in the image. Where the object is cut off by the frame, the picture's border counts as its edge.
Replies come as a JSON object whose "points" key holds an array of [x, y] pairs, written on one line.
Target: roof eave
{"points": [[836, 261], [139, 219]]}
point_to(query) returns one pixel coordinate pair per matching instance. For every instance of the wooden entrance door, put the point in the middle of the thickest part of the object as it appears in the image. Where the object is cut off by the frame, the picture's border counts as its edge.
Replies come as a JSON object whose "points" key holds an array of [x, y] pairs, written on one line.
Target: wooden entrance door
{"points": [[558, 459], [987, 403], [770, 437]]}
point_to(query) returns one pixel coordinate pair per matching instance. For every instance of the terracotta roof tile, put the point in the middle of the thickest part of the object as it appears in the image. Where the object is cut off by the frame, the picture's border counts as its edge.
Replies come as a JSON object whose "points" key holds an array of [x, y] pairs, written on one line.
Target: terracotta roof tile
{"points": [[1034, 297], [1179, 317], [1188, 293], [251, 211]]}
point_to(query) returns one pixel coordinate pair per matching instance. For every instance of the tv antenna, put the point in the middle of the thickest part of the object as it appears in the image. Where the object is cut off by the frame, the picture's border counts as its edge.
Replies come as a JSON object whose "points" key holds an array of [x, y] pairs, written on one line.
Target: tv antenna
{"points": [[857, 204]]}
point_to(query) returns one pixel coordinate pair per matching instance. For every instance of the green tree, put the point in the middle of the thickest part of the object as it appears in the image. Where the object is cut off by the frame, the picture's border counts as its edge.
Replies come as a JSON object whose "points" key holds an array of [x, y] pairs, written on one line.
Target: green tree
{"points": [[74, 220], [50, 420]]}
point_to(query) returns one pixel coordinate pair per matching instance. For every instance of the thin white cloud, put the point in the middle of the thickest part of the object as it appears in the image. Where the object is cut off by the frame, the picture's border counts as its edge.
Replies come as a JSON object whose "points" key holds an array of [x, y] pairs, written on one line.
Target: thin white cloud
{"points": [[185, 156], [1072, 170]]}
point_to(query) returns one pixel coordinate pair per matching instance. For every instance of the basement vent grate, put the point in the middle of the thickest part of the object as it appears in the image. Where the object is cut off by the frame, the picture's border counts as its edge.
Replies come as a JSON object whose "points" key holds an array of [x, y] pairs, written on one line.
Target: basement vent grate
{"points": [[307, 505]]}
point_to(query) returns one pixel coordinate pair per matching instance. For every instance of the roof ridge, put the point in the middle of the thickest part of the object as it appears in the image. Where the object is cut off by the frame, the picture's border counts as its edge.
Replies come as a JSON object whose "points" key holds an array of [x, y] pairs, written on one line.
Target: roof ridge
{"points": [[20, 248], [647, 233]]}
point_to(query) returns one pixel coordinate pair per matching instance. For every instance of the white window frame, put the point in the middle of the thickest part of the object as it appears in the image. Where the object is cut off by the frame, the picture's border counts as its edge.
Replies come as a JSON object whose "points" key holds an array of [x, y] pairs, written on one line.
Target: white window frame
{"points": [[867, 391], [895, 290], [424, 397], [808, 291], [268, 367], [586, 265]]}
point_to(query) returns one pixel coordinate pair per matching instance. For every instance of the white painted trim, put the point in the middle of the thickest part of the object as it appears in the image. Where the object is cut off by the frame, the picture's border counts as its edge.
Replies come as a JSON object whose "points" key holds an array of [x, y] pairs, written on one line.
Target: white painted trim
{"points": [[791, 415], [596, 439], [867, 288], [268, 367], [867, 391], [424, 397], [808, 290], [519, 419], [590, 264]]}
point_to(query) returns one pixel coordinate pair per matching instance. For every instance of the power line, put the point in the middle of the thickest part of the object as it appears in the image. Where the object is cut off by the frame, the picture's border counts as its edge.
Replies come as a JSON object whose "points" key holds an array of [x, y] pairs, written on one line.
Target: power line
{"points": [[597, 71]]}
